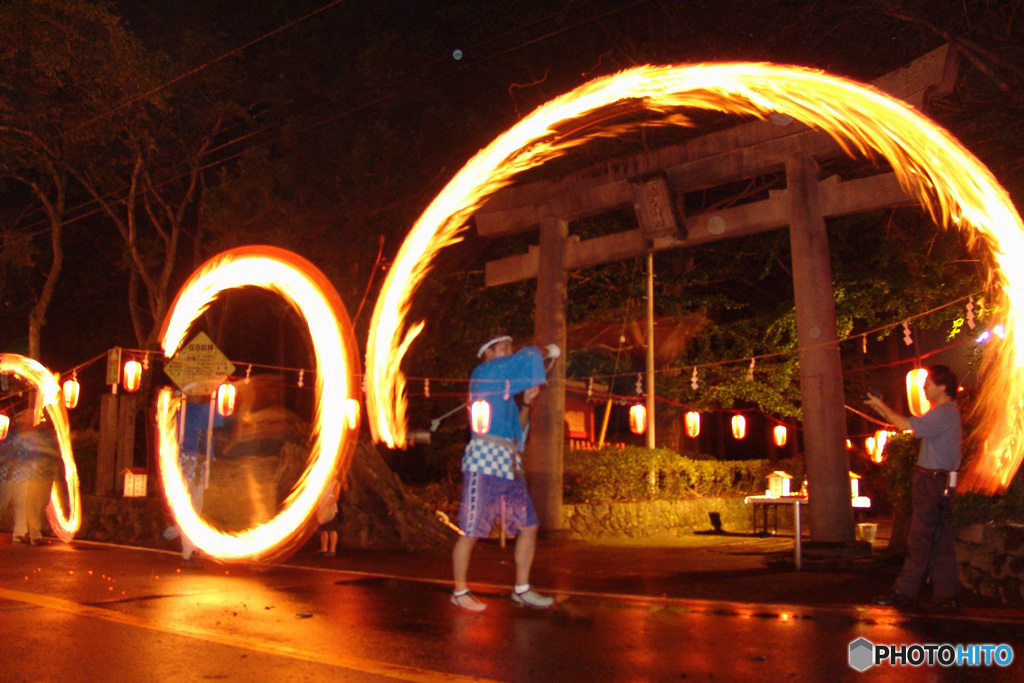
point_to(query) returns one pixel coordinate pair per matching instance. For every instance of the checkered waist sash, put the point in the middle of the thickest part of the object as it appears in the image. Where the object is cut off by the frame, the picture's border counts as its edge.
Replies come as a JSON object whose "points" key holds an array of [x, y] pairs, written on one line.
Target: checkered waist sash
{"points": [[492, 455]]}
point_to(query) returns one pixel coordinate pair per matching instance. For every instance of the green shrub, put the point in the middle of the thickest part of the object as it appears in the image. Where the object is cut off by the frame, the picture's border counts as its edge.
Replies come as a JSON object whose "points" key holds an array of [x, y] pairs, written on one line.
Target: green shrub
{"points": [[635, 473], [972, 508], [968, 508], [898, 469]]}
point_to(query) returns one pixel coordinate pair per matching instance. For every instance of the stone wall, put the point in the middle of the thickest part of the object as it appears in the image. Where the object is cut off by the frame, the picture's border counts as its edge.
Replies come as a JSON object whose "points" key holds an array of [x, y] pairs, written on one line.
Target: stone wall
{"points": [[137, 522], [654, 518], [991, 558], [376, 511]]}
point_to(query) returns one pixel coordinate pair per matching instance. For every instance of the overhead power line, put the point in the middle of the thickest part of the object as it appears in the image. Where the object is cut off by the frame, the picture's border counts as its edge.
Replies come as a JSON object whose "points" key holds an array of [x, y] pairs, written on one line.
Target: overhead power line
{"points": [[88, 208]]}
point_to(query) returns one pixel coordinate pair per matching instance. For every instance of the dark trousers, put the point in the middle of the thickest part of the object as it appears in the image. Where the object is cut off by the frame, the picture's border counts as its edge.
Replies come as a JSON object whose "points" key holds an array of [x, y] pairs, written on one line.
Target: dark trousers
{"points": [[930, 541]]}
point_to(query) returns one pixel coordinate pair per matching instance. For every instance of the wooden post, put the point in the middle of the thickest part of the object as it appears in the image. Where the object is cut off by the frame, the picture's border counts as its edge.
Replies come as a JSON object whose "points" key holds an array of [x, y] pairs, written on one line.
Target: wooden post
{"points": [[650, 350], [127, 410], [106, 460], [547, 429], [821, 378]]}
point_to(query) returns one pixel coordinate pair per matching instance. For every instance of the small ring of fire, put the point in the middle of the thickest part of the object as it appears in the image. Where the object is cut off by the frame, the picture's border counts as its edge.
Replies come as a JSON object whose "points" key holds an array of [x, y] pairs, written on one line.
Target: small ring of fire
{"points": [[311, 294], [65, 524]]}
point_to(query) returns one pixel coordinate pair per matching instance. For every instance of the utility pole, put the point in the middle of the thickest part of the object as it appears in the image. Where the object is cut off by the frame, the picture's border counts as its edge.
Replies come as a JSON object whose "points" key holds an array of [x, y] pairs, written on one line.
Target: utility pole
{"points": [[650, 349]]}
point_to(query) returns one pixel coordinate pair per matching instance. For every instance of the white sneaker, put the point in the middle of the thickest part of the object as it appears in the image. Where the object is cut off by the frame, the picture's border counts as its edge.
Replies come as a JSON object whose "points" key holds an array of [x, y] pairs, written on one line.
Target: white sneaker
{"points": [[468, 602], [531, 598]]}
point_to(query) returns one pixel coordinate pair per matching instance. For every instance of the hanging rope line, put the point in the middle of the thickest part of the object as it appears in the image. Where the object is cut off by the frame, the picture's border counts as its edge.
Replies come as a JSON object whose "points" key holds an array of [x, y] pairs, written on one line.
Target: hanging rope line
{"points": [[302, 376]]}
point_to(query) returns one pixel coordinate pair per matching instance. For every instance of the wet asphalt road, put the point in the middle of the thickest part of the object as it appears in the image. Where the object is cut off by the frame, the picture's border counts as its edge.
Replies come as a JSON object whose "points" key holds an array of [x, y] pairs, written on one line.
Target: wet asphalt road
{"points": [[92, 612]]}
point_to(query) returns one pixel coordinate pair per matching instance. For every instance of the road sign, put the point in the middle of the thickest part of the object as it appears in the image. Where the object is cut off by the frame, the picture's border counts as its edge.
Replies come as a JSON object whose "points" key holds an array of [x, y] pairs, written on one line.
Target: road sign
{"points": [[114, 365], [199, 366]]}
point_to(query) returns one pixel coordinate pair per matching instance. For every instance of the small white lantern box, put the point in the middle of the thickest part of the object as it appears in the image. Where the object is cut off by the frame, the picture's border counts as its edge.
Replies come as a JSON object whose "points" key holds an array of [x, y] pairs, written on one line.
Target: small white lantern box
{"points": [[778, 484], [135, 482]]}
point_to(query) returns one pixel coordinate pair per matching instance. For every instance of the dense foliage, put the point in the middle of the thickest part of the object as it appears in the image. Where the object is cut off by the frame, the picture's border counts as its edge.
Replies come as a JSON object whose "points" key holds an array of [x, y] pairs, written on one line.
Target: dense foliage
{"points": [[335, 124], [968, 508], [898, 470], [629, 474]]}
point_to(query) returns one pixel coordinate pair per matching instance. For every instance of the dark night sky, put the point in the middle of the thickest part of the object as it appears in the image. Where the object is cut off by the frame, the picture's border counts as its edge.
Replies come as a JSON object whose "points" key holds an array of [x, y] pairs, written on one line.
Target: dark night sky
{"points": [[517, 55]]}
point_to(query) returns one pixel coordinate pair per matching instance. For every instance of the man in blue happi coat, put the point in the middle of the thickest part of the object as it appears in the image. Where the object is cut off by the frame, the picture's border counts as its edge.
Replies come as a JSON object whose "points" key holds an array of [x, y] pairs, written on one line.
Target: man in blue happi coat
{"points": [[493, 487]]}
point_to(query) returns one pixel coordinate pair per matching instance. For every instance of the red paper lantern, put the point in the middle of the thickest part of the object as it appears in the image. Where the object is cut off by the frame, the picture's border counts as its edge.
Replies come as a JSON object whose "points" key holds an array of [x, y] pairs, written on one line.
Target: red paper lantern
{"points": [[480, 416], [226, 399], [131, 376], [71, 390], [692, 422], [918, 402], [875, 445], [779, 435], [5, 424], [352, 413], [739, 426], [638, 418]]}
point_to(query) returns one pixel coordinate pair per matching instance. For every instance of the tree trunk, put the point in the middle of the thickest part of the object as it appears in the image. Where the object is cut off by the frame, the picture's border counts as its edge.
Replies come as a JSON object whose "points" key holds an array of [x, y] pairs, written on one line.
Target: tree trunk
{"points": [[37, 316]]}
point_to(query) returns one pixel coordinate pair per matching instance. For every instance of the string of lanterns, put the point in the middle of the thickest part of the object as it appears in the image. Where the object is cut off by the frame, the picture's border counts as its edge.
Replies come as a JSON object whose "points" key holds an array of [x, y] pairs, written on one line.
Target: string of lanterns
{"points": [[130, 380], [638, 411], [480, 410], [752, 361], [226, 393], [695, 379]]}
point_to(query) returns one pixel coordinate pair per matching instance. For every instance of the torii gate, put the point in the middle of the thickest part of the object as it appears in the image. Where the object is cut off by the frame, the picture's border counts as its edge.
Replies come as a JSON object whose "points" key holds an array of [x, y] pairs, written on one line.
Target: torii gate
{"points": [[649, 183]]}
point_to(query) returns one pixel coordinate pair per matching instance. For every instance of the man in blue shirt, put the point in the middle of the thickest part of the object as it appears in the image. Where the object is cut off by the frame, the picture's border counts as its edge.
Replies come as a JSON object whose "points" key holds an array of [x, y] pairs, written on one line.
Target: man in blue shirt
{"points": [[197, 416], [492, 469], [930, 545]]}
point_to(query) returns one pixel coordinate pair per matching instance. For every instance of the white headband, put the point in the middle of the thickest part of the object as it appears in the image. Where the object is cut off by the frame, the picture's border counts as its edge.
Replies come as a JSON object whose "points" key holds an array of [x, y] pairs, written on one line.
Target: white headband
{"points": [[496, 340]]}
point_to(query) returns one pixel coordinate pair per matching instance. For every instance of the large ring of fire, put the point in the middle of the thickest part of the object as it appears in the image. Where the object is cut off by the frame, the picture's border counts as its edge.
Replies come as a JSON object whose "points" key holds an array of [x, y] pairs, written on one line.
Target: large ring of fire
{"points": [[956, 188], [65, 523], [333, 436]]}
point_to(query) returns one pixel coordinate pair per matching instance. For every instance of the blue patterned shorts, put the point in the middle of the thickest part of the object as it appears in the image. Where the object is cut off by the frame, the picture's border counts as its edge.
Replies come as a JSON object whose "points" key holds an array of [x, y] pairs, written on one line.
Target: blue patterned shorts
{"points": [[483, 498]]}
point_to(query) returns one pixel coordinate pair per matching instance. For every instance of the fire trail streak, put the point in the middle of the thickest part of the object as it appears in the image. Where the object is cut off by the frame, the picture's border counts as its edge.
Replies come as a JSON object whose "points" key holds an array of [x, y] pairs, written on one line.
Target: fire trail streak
{"points": [[65, 523], [930, 164], [311, 294]]}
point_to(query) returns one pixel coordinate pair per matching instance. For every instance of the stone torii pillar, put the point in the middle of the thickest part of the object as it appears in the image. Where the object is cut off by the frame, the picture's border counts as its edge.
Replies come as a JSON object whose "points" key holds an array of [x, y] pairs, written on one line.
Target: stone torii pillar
{"points": [[821, 376], [543, 463]]}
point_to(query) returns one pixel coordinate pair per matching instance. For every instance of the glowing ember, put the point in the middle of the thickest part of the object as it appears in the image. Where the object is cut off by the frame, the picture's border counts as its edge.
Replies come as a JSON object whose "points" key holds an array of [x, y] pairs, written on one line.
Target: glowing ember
{"points": [[931, 165], [333, 440], [65, 523]]}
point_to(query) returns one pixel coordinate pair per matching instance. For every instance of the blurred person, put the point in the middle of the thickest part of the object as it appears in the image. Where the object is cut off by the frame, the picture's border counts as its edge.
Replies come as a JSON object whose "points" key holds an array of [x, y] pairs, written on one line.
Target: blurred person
{"points": [[194, 456], [930, 548], [328, 517], [493, 487], [33, 465], [6, 468]]}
